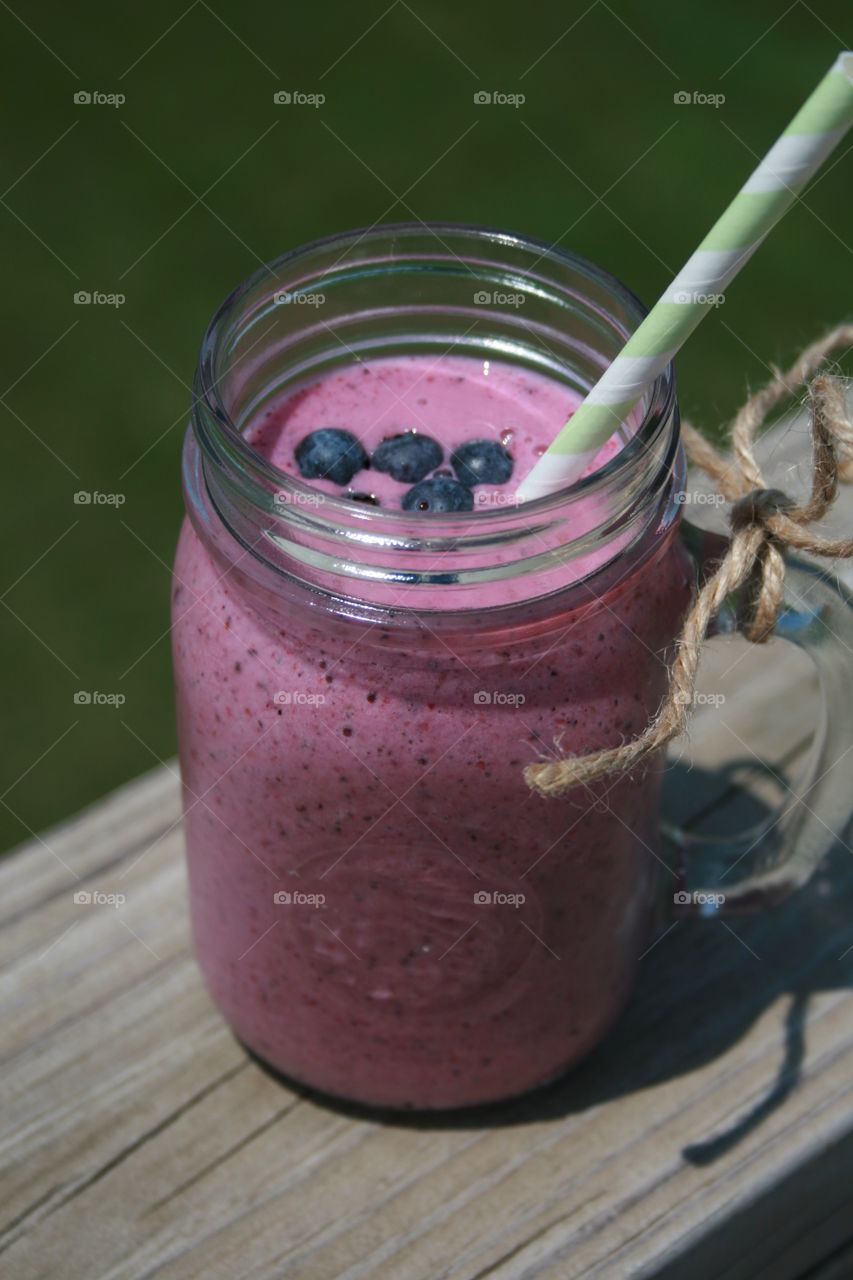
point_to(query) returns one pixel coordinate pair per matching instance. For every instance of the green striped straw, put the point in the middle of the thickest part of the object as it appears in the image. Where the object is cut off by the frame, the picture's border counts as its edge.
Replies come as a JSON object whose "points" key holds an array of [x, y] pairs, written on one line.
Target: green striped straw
{"points": [[814, 132]]}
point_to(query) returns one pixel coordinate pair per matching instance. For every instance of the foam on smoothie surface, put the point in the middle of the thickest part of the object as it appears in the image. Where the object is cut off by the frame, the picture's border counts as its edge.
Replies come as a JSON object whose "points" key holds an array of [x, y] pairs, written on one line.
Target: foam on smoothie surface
{"points": [[452, 399]]}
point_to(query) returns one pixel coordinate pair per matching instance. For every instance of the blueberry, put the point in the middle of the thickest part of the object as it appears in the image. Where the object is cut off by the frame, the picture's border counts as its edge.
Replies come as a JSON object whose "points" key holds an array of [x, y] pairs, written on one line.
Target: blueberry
{"points": [[370, 498], [330, 454], [407, 457], [438, 495], [482, 462]]}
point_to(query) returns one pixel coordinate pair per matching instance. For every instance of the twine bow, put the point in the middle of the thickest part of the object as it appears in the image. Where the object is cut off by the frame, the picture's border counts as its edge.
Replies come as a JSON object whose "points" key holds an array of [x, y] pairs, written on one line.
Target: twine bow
{"points": [[764, 523]]}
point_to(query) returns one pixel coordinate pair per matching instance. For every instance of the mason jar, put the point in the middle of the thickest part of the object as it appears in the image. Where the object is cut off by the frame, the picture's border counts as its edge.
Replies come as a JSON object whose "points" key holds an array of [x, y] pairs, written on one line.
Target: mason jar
{"points": [[382, 908]]}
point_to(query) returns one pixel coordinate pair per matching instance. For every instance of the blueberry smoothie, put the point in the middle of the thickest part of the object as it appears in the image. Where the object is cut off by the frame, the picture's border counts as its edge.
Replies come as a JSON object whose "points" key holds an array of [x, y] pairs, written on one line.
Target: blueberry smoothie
{"points": [[381, 907], [419, 434]]}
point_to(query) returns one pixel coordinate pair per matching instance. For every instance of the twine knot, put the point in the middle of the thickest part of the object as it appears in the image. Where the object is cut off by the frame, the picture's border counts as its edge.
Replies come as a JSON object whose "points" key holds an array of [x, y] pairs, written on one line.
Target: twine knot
{"points": [[754, 516], [764, 522], [758, 508]]}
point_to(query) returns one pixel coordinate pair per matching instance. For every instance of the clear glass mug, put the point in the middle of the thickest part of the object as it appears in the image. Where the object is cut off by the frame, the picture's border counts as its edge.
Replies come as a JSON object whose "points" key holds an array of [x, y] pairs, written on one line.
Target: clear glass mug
{"points": [[381, 908]]}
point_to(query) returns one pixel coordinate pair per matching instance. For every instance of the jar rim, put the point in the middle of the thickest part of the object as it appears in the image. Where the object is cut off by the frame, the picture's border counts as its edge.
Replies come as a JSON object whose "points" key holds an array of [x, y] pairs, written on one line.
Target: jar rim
{"points": [[364, 556], [661, 399]]}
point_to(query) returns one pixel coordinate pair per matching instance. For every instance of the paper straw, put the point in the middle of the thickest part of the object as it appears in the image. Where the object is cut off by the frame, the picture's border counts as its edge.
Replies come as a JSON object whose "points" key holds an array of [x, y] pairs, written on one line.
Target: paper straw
{"points": [[814, 132]]}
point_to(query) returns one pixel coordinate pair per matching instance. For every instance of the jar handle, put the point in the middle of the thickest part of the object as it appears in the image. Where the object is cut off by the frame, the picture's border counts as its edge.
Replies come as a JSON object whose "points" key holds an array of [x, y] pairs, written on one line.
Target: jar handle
{"points": [[781, 855]]}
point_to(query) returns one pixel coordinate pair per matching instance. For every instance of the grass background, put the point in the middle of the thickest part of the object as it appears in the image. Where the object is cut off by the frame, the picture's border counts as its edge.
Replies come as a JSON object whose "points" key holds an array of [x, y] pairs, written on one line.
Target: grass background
{"points": [[176, 195]]}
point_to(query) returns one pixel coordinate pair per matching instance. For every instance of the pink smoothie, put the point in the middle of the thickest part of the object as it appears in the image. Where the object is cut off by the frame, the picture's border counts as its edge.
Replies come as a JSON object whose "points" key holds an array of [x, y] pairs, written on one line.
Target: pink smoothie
{"points": [[381, 908]]}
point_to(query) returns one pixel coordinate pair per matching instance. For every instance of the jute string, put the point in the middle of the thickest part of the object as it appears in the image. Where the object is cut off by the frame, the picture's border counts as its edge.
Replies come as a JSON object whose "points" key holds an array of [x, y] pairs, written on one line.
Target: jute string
{"points": [[764, 522]]}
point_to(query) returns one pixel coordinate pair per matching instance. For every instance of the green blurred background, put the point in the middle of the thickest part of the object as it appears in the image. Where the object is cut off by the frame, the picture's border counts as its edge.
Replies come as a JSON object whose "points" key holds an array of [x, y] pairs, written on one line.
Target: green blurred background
{"points": [[174, 196]]}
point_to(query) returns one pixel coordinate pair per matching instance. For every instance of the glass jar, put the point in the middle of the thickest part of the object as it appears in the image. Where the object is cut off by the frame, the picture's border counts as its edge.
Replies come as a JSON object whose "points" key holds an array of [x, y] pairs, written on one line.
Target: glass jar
{"points": [[381, 907]]}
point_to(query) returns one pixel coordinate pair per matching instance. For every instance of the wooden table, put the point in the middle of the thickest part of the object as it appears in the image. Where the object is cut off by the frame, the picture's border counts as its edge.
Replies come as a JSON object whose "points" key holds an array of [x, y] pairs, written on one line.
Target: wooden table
{"points": [[710, 1135]]}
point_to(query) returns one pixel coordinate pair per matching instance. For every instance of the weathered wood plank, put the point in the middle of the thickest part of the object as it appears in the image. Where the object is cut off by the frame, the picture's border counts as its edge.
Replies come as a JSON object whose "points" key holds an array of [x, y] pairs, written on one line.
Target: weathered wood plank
{"points": [[94, 842], [328, 1193]]}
